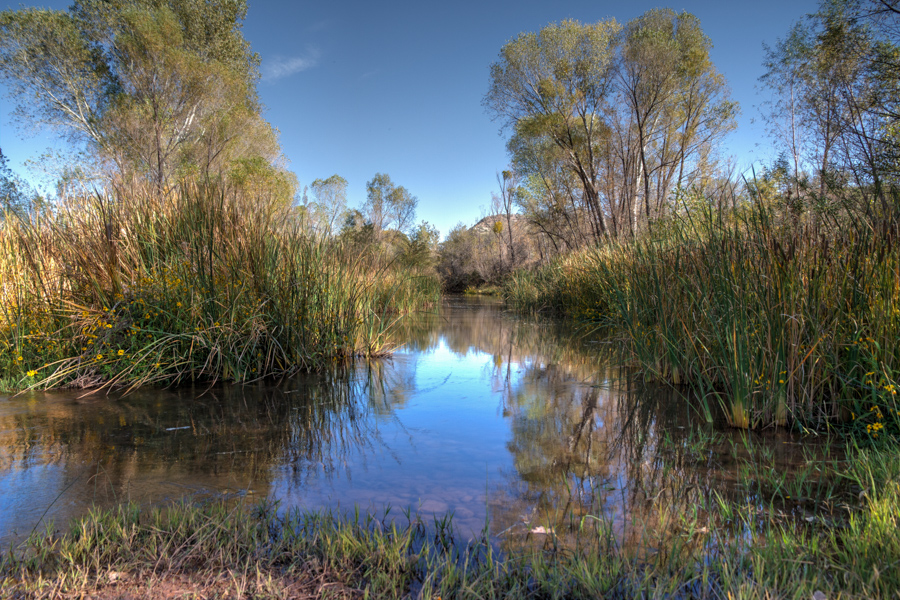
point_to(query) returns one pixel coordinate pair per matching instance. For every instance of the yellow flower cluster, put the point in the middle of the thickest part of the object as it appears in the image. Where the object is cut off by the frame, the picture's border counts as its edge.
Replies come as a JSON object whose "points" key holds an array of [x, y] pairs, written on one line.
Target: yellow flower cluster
{"points": [[874, 428]]}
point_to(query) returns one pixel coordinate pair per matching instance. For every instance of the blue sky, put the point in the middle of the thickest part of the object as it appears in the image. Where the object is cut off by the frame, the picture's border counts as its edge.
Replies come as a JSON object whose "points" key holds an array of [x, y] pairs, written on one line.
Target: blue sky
{"points": [[358, 87]]}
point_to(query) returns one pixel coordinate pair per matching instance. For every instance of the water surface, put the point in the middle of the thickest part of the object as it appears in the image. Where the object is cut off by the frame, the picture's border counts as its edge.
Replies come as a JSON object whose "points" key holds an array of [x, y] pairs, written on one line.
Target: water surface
{"points": [[521, 423]]}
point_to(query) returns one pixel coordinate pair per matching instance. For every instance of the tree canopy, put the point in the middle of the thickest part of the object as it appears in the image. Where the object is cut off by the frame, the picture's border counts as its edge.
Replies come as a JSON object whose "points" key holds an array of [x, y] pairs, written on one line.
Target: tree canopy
{"points": [[156, 89], [834, 107], [608, 120], [388, 206], [329, 204]]}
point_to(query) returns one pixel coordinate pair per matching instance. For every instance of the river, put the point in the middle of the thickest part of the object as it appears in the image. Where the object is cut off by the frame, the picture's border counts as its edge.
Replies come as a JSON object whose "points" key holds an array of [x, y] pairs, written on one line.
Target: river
{"points": [[527, 427]]}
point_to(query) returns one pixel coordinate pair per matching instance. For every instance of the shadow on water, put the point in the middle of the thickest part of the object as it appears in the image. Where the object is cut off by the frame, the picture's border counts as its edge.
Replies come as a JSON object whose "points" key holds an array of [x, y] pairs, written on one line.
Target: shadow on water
{"points": [[479, 413]]}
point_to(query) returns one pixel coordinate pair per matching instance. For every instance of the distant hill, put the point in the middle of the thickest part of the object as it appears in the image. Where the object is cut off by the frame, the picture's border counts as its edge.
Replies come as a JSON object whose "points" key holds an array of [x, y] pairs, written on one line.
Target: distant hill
{"points": [[486, 225]]}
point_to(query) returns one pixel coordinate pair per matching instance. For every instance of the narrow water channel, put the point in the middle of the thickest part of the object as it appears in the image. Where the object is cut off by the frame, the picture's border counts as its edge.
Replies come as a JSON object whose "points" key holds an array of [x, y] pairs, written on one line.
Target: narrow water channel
{"points": [[519, 423]]}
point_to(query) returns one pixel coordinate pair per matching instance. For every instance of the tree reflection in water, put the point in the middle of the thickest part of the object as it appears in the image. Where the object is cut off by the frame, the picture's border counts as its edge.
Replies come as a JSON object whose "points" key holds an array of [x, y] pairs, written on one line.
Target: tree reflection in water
{"points": [[479, 411]]}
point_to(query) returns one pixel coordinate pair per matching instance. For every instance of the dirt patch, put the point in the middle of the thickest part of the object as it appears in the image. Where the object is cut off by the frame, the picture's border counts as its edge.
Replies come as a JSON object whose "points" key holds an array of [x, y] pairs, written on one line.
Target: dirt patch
{"points": [[115, 585]]}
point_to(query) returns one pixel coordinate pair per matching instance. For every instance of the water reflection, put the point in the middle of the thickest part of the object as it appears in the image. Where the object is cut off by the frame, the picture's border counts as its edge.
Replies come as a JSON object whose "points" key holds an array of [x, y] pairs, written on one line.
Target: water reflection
{"points": [[478, 412]]}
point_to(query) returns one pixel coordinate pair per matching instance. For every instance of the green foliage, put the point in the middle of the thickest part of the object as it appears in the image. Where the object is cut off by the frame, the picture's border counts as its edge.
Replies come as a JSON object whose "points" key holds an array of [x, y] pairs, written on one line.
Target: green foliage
{"points": [[161, 90], [833, 110], [421, 249], [457, 266], [388, 206], [329, 206], [608, 120], [16, 195], [755, 307], [202, 285]]}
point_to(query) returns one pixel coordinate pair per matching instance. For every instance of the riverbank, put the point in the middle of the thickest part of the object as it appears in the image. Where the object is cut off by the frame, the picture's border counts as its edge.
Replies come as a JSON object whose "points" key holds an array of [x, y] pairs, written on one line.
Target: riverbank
{"points": [[205, 283], [779, 317], [718, 549]]}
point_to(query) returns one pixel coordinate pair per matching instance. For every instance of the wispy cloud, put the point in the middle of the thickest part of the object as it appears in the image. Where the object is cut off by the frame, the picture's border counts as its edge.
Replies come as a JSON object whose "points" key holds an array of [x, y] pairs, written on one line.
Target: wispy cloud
{"points": [[279, 67]]}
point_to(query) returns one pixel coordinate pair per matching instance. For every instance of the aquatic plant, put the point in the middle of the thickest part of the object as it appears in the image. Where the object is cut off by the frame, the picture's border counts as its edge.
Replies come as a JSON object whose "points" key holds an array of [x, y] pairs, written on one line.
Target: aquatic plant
{"points": [[133, 288], [779, 319]]}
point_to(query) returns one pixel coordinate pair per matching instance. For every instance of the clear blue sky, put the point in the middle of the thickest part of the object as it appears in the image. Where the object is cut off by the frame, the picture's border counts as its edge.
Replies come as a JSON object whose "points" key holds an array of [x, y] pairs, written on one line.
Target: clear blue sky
{"points": [[360, 87]]}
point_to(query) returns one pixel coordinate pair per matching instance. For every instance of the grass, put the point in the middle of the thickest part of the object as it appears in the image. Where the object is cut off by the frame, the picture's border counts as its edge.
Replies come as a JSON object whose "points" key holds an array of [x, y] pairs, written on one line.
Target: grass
{"points": [[132, 288], [484, 290], [780, 318], [714, 548]]}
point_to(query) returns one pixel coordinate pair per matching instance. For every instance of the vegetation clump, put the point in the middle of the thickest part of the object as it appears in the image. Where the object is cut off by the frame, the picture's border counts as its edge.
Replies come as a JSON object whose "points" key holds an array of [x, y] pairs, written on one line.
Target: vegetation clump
{"points": [[203, 284], [781, 320], [191, 261]]}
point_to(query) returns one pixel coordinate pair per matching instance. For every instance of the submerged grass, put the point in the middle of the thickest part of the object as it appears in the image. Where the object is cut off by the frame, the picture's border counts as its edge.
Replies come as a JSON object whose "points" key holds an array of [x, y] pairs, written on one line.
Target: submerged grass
{"points": [[781, 318], [202, 284], [718, 549]]}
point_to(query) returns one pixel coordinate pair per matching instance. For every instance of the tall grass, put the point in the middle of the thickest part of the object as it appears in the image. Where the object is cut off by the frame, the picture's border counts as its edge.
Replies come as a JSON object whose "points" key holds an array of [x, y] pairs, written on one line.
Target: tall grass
{"points": [[133, 288], [781, 318]]}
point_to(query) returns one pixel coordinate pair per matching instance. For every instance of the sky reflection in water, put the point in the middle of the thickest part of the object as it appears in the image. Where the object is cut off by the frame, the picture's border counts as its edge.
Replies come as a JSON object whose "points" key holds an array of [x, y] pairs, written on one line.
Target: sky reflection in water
{"points": [[479, 412]]}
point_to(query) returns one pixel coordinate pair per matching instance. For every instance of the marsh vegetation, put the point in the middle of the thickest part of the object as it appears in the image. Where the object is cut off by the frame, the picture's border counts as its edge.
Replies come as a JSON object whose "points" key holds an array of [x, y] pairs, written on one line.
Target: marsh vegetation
{"points": [[715, 416]]}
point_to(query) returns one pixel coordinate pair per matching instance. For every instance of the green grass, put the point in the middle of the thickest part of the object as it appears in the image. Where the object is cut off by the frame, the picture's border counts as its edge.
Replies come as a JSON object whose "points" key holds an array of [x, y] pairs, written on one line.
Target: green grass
{"points": [[714, 548], [779, 319], [207, 284]]}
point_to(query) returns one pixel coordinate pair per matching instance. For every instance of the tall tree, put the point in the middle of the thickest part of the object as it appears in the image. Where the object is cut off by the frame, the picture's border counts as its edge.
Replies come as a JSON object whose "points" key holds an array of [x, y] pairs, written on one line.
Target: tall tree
{"points": [[157, 88], [678, 103], [388, 206], [504, 205], [554, 84], [633, 113], [836, 75], [329, 203]]}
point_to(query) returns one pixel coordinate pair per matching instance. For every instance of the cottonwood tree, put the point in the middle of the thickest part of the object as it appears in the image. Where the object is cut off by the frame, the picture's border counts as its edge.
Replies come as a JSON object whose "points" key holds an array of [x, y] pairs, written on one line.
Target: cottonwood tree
{"points": [[678, 103], [329, 205], [835, 75], [549, 195], [388, 206], [157, 88], [633, 113], [554, 85], [503, 205]]}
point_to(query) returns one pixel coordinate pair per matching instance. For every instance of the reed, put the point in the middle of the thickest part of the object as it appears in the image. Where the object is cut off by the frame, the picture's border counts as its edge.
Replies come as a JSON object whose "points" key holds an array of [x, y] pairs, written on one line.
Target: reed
{"points": [[779, 318], [205, 283]]}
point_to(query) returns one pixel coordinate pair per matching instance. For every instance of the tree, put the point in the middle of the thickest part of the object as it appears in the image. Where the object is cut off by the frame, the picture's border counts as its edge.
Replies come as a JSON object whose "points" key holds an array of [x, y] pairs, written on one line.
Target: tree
{"points": [[554, 85], [422, 246], [504, 205], [330, 203], [549, 195], [457, 259], [836, 75], [631, 114], [157, 88], [16, 195], [388, 206], [677, 101]]}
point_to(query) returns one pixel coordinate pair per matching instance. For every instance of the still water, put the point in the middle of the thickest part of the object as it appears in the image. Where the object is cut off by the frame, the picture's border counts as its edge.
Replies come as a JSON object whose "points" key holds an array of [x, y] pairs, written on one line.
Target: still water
{"points": [[515, 422]]}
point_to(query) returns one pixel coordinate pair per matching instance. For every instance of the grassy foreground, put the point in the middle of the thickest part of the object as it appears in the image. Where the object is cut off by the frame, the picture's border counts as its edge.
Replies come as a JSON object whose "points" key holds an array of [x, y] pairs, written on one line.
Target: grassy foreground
{"points": [[781, 317], [717, 549], [206, 283]]}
